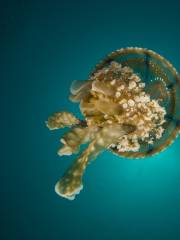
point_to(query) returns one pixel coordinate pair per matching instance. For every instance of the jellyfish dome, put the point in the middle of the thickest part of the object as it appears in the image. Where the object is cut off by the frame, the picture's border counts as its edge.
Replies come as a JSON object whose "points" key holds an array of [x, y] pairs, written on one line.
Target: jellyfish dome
{"points": [[162, 84]]}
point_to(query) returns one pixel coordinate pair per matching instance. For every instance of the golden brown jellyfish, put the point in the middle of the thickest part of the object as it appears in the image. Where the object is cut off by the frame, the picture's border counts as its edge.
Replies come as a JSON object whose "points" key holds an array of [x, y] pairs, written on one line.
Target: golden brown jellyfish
{"points": [[129, 104]]}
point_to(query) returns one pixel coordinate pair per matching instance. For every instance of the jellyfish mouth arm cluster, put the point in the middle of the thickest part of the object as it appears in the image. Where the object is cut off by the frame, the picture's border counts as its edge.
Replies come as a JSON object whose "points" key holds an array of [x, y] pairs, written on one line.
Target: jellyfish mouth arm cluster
{"points": [[71, 183], [100, 138]]}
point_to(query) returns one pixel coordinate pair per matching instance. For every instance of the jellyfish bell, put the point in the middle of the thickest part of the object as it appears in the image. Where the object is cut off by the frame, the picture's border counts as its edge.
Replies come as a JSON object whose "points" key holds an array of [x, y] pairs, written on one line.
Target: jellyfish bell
{"points": [[162, 83]]}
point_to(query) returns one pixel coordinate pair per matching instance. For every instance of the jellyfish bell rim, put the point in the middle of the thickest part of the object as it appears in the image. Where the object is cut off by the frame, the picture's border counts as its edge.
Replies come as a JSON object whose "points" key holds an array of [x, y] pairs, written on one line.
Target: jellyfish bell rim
{"points": [[144, 52]]}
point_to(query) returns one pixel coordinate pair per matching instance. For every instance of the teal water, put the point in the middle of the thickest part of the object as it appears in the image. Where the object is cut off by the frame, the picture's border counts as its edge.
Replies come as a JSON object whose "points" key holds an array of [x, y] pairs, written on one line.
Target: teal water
{"points": [[45, 45]]}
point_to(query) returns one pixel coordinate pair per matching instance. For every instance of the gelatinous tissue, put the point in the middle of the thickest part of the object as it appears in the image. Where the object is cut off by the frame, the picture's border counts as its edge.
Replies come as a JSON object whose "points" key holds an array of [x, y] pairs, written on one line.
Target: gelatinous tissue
{"points": [[124, 103]]}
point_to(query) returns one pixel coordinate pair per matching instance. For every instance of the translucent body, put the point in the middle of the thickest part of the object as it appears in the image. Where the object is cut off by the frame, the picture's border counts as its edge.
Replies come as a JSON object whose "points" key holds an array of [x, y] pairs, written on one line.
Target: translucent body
{"points": [[130, 106]]}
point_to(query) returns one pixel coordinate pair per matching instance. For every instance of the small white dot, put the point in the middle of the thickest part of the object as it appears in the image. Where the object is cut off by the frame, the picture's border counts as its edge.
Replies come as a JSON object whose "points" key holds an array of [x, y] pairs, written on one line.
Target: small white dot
{"points": [[124, 105], [113, 82], [118, 94], [131, 102]]}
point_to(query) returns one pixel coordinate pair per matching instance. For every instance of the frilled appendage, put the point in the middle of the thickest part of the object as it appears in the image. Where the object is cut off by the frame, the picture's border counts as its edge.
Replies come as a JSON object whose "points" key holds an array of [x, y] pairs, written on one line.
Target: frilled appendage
{"points": [[71, 183], [61, 120], [100, 138]]}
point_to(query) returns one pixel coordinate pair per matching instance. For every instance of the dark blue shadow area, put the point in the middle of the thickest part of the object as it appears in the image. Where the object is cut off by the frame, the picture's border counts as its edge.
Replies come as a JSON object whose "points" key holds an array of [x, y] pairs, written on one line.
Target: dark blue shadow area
{"points": [[45, 45]]}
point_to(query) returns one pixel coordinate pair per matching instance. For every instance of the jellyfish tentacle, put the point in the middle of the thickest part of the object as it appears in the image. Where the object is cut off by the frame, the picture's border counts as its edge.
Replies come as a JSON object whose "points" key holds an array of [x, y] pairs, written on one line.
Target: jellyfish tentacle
{"points": [[71, 182], [61, 120]]}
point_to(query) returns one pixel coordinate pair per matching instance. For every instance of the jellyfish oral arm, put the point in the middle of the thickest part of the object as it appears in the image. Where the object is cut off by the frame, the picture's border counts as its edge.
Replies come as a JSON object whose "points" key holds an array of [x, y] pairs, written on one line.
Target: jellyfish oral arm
{"points": [[71, 183], [61, 120], [73, 139]]}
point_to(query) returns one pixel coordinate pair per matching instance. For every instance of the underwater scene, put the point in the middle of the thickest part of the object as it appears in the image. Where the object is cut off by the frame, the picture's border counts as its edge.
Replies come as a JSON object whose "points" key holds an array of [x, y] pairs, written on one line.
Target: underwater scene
{"points": [[91, 120]]}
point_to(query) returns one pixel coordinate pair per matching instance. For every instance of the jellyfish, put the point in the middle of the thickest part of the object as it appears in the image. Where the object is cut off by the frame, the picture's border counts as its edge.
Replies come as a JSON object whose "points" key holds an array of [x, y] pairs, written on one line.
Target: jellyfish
{"points": [[129, 107]]}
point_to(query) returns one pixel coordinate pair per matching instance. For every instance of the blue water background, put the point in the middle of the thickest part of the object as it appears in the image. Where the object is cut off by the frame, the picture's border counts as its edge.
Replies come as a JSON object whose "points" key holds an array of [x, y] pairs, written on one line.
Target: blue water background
{"points": [[45, 45]]}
